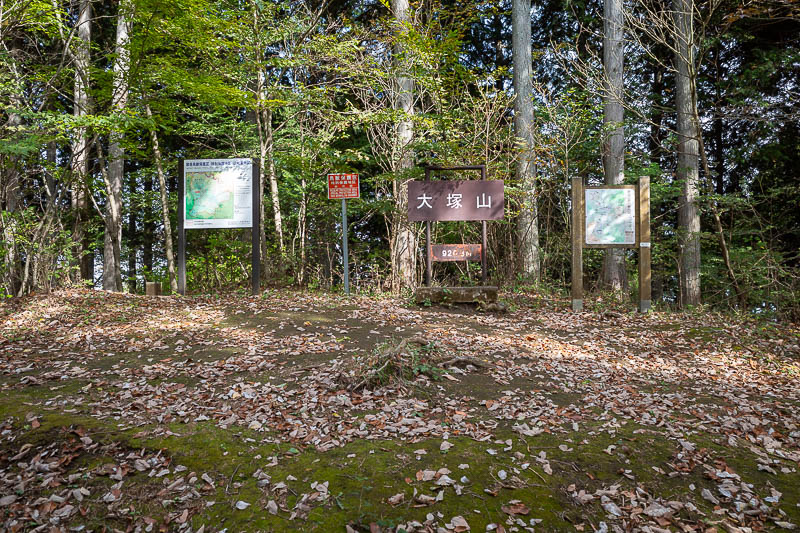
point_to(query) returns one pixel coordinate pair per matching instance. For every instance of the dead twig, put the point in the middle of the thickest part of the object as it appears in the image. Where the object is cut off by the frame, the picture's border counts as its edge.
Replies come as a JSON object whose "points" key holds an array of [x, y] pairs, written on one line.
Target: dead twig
{"points": [[231, 479], [456, 361]]}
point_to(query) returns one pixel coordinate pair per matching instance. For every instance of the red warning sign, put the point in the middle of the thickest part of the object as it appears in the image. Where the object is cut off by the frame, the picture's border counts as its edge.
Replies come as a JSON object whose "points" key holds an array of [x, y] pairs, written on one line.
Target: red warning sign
{"points": [[343, 186]]}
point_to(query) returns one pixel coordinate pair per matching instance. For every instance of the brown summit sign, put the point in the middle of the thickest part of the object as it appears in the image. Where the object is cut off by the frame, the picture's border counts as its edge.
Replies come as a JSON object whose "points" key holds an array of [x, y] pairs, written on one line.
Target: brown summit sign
{"points": [[455, 200]]}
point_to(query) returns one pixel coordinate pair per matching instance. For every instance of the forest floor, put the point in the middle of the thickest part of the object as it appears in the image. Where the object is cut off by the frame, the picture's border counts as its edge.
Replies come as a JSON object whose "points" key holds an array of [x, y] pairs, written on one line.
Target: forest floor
{"points": [[313, 412]]}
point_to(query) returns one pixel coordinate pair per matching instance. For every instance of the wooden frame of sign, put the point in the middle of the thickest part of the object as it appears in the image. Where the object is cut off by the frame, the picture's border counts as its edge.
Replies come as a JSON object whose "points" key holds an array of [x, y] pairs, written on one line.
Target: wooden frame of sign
{"points": [[429, 255], [640, 240]]}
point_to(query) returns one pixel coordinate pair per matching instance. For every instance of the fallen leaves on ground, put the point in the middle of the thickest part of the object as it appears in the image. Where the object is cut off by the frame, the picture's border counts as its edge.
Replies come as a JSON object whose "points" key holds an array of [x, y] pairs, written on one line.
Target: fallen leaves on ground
{"points": [[282, 366]]}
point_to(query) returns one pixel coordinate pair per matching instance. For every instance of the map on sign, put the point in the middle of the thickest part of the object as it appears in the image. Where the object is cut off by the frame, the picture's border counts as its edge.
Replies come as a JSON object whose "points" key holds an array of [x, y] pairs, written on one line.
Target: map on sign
{"points": [[208, 195], [218, 193], [610, 216]]}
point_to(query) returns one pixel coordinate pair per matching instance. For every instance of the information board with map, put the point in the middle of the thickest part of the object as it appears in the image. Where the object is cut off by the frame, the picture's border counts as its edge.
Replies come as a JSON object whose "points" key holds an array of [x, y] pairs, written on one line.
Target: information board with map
{"points": [[610, 216], [218, 193]]}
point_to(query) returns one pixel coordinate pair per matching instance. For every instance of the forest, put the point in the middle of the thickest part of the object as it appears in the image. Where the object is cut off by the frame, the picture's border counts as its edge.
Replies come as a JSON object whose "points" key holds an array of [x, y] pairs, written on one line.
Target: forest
{"points": [[101, 99]]}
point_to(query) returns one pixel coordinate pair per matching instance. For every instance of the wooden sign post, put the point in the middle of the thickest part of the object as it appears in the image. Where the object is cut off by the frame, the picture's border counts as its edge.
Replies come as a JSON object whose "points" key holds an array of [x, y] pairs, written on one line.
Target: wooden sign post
{"points": [[455, 200], [645, 277], [437, 201], [577, 244], [611, 216]]}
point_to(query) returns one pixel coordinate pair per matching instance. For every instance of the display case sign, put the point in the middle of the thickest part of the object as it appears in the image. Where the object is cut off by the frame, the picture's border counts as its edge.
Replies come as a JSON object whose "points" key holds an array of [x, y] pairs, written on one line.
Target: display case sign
{"points": [[218, 193]]}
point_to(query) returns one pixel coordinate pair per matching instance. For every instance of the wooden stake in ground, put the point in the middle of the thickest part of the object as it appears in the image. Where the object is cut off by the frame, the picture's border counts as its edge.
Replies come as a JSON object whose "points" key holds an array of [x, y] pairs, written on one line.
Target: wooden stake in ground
{"points": [[644, 244], [577, 244]]}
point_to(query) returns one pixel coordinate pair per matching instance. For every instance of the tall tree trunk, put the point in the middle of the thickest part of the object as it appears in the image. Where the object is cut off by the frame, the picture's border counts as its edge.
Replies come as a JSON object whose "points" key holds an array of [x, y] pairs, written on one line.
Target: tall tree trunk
{"points": [[302, 225], [613, 275], [35, 268], [657, 115], [527, 221], [133, 242], [9, 205], [112, 275], [84, 257], [404, 238], [51, 205], [267, 152], [719, 125], [10, 187], [499, 43], [148, 226], [688, 152], [162, 185], [272, 176]]}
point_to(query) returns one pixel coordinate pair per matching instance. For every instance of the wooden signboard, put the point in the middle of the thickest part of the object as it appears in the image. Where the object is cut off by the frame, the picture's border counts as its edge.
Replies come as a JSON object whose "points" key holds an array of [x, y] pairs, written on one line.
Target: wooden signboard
{"points": [[443, 200], [447, 200]]}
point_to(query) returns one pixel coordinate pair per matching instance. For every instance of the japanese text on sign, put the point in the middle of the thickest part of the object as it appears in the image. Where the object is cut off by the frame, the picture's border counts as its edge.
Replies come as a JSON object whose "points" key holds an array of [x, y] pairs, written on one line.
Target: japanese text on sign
{"points": [[341, 186], [455, 200]]}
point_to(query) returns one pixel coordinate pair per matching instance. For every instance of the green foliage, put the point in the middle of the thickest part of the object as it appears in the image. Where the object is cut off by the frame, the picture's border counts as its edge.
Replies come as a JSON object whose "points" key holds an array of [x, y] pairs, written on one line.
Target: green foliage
{"points": [[41, 255], [217, 260], [212, 71], [396, 361]]}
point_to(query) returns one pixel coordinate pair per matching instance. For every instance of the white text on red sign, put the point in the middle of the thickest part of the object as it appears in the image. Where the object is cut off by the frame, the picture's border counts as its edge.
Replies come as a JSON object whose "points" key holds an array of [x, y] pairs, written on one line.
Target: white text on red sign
{"points": [[342, 186]]}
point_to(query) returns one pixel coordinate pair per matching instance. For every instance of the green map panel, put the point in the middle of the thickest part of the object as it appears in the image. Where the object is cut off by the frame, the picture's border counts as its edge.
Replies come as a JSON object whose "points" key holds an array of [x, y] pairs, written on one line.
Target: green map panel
{"points": [[208, 196], [610, 216]]}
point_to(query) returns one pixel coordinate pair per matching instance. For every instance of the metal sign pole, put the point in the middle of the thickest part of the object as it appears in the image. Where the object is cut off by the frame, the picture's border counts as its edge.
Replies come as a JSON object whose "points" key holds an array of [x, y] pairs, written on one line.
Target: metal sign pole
{"points": [[181, 232], [344, 248]]}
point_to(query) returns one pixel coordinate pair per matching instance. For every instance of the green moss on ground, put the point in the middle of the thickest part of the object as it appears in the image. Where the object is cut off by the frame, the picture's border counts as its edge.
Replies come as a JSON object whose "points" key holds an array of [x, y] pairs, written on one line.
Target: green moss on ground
{"points": [[363, 475]]}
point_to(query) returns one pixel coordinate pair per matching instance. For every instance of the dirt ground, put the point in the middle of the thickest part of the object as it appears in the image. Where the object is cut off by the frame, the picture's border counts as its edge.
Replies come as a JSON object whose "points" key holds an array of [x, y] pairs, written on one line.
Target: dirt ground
{"points": [[284, 413]]}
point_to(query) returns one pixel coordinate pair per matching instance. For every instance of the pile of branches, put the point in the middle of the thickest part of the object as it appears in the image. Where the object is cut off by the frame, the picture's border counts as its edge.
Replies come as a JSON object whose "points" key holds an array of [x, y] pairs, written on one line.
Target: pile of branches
{"points": [[401, 362]]}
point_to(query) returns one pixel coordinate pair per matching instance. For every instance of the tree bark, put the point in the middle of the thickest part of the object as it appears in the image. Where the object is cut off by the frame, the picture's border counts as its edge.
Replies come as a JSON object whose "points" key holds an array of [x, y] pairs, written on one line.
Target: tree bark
{"points": [[162, 185], [266, 143], [719, 125], [10, 188], [84, 257], [688, 153], [112, 275], [268, 158], [613, 274], [527, 221], [657, 116], [148, 227], [404, 238], [302, 225], [132, 240]]}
